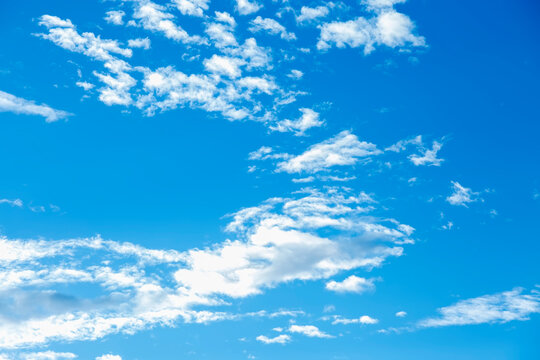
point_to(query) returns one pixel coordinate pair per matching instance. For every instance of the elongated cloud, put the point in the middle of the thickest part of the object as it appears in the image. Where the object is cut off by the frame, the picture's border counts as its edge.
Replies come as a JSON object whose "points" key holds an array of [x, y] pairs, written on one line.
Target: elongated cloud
{"points": [[17, 105], [497, 308], [309, 331], [342, 149]]}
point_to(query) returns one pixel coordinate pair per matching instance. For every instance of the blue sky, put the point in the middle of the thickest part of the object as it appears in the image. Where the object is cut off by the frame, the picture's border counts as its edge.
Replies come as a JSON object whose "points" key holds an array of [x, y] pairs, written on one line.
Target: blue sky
{"points": [[242, 179]]}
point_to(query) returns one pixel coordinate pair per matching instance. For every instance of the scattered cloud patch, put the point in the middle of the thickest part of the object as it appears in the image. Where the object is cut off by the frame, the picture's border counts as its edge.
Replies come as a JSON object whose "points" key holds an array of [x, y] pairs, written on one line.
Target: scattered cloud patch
{"points": [[427, 156], [461, 195]]}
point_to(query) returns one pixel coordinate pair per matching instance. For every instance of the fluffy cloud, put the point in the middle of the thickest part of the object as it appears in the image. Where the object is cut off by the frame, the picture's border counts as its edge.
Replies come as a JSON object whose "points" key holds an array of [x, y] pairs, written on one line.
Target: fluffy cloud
{"points": [[497, 308], [63, 33], [310, 14], [272, 27], [143, 43], [156, 18], [246, 7], [427, 156], [352, 284], [308, 120], [224, 65], [389, 28], [115, 17], [401, 314], [280, 339], [192, 7], [461, 195], [342, 149], [17, 105], [309, 330]]}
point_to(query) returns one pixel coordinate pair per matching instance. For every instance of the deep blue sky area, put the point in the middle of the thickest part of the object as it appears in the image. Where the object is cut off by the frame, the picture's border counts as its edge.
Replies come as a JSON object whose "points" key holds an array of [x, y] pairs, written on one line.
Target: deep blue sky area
{"points": [[140, 162]]}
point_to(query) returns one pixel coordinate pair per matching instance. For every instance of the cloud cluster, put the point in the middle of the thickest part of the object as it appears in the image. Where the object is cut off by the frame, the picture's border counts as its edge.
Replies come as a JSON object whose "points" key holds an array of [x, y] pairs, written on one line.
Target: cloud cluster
{"points": [[281, 240]]}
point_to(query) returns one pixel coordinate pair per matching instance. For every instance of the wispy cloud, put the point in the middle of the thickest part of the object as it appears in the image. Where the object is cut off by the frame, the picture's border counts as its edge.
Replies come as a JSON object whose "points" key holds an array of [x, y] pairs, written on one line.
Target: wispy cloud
{"points": [[17, 105], [497, 308], [461, 195]]}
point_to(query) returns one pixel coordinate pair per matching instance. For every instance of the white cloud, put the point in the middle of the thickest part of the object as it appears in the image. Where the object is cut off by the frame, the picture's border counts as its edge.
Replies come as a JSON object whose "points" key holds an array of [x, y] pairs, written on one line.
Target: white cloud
{"points": [[46, 355], [246, 7], [497, 308], [17, 105], [14, 202], [310, 14], [155, 18], [192, 7], [296, 74], [389, 28], [309, 330], [402, 144], [85, 85], [221, 34], [118, 82], [308, 120], [352, 284], [280, 339], [143, 43], [225, 17], [378, 5], [401, 314], [275, 234], [64, 34], [224, 65], [340, 150], [109, 357], [427, 156], [461, 195], [115, 17], [272, 27], [329, 308], [448, 226], [364, 320]]}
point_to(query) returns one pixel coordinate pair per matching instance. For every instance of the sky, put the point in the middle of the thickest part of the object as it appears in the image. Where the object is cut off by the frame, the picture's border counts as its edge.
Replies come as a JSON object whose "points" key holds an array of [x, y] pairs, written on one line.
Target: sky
{"points": [[249, 179]]}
